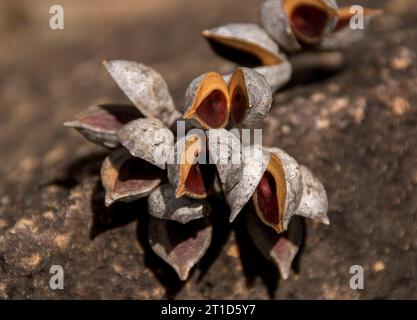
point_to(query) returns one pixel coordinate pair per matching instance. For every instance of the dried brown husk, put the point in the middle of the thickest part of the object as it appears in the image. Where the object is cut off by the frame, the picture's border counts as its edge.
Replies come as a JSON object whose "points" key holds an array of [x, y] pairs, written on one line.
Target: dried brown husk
{"points": [[245, 43], [126, 178], [146, 88], [189, 176], [163, 204], [180, 245], [278, 248], [149, 139], [250, 97], [207, 102], [101, 123]]}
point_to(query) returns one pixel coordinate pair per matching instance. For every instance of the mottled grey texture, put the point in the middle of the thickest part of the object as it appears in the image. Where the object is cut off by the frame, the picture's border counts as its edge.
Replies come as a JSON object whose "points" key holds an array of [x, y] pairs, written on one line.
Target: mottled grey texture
{"points": [[149, 139], [248, 33], [313, 203], [255, 162], [163, 204], [279, 248], [276, 23], [190, 96], [145, 87], [103, 133], [226, 153], [259, 97], [184, 254], [110, 175]]}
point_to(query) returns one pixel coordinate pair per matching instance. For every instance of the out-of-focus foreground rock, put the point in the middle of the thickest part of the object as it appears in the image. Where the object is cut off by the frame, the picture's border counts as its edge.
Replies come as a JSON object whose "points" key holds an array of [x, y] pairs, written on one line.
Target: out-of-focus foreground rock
{"points": [[356, 130]]}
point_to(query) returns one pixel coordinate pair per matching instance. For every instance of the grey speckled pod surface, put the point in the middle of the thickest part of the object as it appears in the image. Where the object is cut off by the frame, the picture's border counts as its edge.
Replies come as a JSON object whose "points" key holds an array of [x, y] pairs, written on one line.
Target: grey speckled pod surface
{"points": [[145, 87], [313, 203], [163, 204], [226, 153], [259, 97], [149, 139], [247, 33], [254, 165]]}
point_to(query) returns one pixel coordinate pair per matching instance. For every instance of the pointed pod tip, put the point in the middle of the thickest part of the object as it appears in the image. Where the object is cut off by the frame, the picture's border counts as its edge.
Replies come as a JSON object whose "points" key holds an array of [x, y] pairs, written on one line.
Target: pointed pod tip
{"points": [[108, 200], [69, 124], [183, 274], [206, 33]]}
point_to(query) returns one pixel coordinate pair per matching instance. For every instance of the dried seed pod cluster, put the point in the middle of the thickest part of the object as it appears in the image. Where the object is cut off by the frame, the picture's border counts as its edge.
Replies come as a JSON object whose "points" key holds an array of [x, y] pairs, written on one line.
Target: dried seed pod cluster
{"points": [[181, 174], [290, 26]]}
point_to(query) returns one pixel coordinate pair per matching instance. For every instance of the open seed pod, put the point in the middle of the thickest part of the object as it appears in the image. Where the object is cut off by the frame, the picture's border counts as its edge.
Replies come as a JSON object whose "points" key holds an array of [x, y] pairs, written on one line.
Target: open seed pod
{"points": [[225, 152], [180, 245], [281, 249], [245, 43], [145, 87], [149, 139], [342, 35], [287, 189], [255, 162], [126, 178], [207, 102], [101, 123], [163, 204], [294, 23], [188, 176], [251, 97]]}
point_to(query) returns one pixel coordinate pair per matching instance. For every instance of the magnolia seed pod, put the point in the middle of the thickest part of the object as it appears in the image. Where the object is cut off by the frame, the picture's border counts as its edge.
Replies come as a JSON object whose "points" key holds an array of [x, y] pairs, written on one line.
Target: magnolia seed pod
{"points": [[281, 194], [276, 75], [149, 139], [293, 23], [145, 87], [126, 178], [342, 35], [225, 152], [189, 177], [251, 97], [180, 245], [245, 43], [163, 204], [207, 102], [255, 162], [281, 249], [101, 123]]}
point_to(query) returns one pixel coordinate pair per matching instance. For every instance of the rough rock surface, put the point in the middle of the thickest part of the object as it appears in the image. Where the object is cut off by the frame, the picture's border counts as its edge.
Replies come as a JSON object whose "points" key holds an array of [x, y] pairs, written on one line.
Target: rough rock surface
{"points": [[356, 130]]}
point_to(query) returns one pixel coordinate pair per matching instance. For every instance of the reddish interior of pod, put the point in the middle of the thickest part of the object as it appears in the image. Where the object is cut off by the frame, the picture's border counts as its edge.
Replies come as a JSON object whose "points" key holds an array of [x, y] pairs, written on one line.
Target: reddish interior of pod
{"points": [[213, 109], [194, 182], [267, 201], [239, 105], [309, 20]]}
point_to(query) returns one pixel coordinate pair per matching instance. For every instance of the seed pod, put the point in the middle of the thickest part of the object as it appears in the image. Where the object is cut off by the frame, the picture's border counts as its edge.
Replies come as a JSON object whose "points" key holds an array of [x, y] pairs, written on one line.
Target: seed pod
{"points": [[279, 248], [255, 162], [287, 189], [245, 43], [276, 75], [251, 97], [293, 23], [145, 87], [190, 178], [342, 36], [225, 152], [126, 178], [207, 102], [180, 245], [101, 123], [163, 204], [149, 139]]}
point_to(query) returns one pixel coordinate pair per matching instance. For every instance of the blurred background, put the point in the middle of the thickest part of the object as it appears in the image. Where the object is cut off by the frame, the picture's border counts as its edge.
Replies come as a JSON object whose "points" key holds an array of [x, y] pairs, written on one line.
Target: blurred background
{"points": [[355, 129]]}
